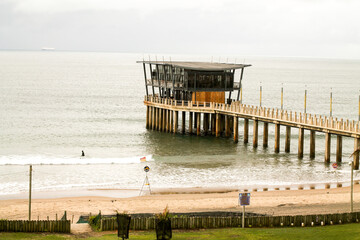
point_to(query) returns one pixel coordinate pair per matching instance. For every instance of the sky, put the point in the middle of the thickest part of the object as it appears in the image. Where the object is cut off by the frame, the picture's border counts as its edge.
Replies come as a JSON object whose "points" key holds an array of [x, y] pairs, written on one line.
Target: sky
{"points": [[300, 28]]}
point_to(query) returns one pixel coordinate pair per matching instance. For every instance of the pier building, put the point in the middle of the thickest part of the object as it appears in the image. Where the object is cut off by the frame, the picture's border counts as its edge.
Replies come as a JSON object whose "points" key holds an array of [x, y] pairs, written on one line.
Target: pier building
{"points": [[192, 81], [198, 90]]}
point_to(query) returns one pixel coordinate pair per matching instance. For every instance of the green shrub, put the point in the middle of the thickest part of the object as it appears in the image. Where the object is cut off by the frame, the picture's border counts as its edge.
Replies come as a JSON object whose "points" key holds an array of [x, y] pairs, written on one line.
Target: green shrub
{"points": [[95, 222], [163, 215]]}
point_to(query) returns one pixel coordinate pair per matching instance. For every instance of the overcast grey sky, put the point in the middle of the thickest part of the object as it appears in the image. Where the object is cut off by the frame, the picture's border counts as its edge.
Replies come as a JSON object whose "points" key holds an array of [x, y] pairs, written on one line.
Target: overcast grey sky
{"points": [[312, 28]]}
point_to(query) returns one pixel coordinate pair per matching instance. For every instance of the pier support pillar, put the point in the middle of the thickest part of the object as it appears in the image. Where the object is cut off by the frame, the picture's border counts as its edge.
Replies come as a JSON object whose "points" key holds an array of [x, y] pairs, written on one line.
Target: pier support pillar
{"points": [[190, 122], [176, 116], [277, 138], [168, 129], [287, 139], [246, 130], [171, 125], [338, 148], [301, 143], [236, 129], [158, 110], [255, 133], [217, 131], [195, 120], [312, 144], [206, 123], [266, 135], [222, 123], [183, 120], [356, 154], [156, 118], [327, 147], [166, 120], [150, 116], [198, 121], [164, 111], [147, 117], [213, 120], [160, 119], [227, 126], [153, 118]]}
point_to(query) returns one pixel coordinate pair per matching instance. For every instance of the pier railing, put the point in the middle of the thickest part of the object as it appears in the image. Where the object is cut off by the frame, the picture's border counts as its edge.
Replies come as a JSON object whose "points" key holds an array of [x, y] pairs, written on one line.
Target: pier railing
{"points": [[341, 126]]}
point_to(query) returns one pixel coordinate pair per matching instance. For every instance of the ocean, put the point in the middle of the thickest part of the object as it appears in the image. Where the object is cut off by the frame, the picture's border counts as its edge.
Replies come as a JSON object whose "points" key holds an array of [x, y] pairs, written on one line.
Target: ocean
{"points": [[55, 104]]}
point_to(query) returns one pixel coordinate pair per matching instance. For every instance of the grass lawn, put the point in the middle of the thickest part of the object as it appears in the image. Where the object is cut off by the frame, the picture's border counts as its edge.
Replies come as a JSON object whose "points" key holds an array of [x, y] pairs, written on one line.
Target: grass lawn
{"points": [[338, 232]]}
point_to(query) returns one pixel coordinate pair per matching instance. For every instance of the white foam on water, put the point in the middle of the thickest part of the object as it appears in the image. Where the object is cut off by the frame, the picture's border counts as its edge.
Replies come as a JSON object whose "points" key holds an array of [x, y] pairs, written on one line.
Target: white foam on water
{"points": [[49, 160]]}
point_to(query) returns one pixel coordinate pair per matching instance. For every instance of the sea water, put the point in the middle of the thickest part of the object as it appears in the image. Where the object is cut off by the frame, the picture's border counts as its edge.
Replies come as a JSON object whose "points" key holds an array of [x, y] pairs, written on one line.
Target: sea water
{"points": [[54, 104]]}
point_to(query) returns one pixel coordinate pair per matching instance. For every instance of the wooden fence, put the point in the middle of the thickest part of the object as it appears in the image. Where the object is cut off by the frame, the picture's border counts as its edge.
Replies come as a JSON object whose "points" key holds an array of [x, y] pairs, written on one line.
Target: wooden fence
{"points": [[224, 222], [62, 226]]}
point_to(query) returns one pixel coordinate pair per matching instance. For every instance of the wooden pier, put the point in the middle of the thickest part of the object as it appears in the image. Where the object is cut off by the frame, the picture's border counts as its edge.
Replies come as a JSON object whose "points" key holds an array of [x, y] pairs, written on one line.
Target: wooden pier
{"points": [[220, 119], [208, 94]]}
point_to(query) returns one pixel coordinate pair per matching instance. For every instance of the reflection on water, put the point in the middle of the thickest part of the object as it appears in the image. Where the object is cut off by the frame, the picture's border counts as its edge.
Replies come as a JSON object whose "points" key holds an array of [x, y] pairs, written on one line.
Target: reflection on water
{"points": [[164, 144]]}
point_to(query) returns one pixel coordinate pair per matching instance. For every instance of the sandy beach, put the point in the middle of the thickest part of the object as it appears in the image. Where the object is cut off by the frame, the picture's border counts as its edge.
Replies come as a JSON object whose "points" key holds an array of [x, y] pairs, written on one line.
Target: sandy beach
{"points": [[280, 202]]}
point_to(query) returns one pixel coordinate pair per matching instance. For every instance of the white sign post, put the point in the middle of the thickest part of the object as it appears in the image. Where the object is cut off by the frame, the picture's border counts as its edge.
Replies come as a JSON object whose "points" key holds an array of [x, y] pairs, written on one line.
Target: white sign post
{"points": [[352, 187], [244, 200]]}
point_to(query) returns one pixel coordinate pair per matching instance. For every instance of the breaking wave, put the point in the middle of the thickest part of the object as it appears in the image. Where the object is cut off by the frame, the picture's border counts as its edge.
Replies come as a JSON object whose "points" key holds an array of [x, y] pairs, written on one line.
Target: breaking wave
{"points": [[49, 160]]}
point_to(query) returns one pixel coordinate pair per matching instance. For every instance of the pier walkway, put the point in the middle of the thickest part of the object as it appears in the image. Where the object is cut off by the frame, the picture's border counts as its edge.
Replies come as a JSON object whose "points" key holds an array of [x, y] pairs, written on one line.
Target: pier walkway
{"points": [[222, 119]]}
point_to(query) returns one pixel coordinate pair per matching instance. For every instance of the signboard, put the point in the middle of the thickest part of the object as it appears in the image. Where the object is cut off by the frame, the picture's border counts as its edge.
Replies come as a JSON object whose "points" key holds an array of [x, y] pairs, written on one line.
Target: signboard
{"points": [[244, 199], [334, 165], [146, 168]]}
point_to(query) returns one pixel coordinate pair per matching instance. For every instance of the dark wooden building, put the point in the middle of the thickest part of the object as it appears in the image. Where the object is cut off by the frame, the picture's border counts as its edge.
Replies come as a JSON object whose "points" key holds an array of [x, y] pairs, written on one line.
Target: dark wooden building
{"points": [[196, 81]]}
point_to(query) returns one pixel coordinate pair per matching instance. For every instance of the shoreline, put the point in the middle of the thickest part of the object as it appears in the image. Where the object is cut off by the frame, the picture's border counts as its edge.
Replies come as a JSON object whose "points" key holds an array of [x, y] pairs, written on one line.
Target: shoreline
{"points": [[115, 193], [280, 202]]}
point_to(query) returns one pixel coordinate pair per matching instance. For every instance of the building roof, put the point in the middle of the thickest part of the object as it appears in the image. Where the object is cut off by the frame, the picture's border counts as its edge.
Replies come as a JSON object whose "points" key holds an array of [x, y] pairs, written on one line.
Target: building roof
{"points": [[200, 66]]}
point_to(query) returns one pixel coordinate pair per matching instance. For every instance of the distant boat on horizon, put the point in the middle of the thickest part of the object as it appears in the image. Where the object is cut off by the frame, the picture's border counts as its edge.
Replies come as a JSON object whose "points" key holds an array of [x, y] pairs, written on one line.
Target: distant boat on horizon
{"points": [[47, 49]]}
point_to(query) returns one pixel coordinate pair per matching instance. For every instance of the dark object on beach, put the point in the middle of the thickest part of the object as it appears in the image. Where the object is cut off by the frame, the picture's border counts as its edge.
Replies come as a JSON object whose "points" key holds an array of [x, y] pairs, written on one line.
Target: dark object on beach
{"points": [[123, 221], [163, 225], [163, 229], [82, 153]]}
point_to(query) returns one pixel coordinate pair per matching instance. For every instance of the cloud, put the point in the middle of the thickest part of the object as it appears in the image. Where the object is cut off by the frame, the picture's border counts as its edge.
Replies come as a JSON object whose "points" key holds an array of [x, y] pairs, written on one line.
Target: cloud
{"points": [[56, 6], [281, 27]]}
